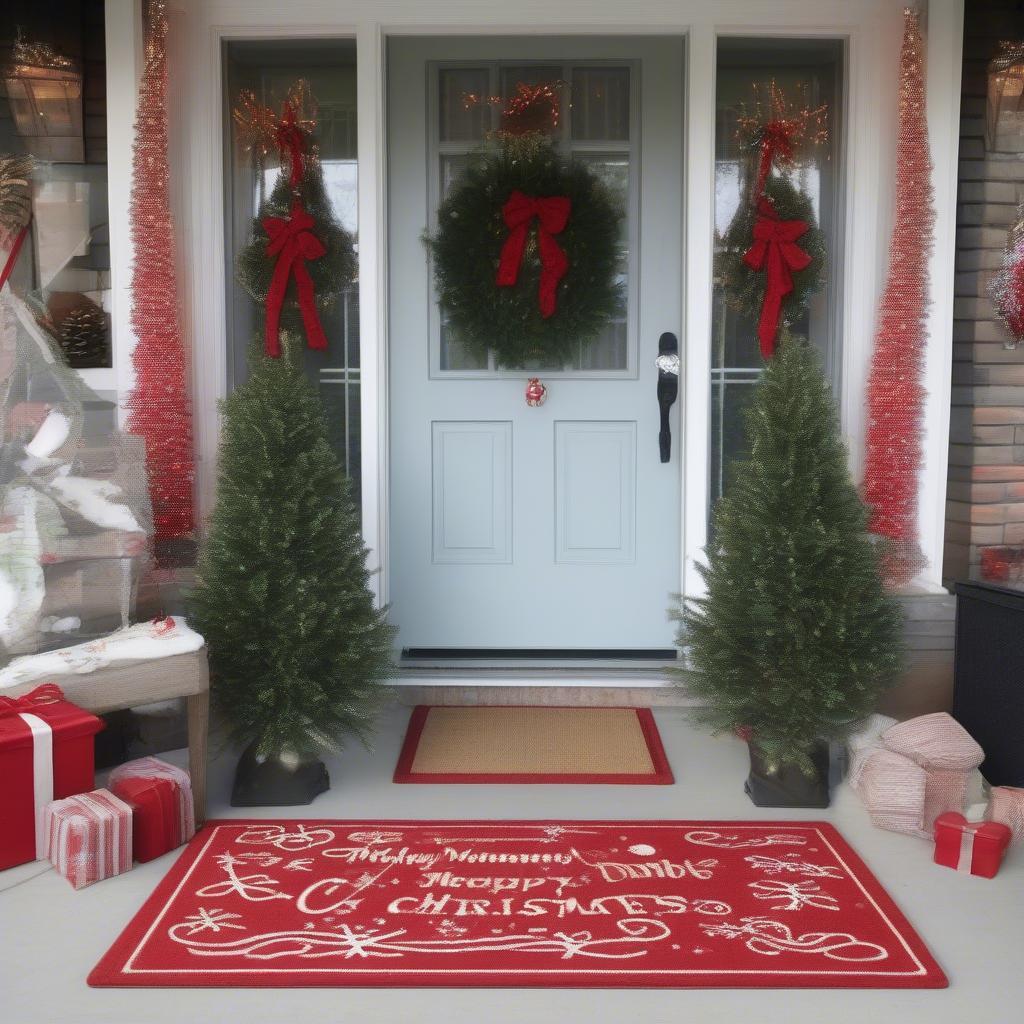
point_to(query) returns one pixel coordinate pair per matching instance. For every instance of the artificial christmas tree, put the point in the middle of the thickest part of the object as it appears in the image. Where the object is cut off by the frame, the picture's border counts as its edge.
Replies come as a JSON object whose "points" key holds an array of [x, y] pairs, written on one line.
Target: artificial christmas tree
{"points": [[297, 648], [795, 638]]}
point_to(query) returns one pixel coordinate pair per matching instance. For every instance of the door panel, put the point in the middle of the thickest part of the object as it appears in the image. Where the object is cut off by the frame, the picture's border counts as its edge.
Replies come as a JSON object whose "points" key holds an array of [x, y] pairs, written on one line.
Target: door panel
{"points": [[595, 492], [472, 491], [555, 526]]}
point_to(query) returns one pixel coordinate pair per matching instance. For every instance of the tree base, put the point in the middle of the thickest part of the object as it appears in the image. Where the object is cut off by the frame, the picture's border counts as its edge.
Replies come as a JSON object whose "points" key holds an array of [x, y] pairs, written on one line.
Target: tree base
{"points": [[787, 786], [271, 782]]}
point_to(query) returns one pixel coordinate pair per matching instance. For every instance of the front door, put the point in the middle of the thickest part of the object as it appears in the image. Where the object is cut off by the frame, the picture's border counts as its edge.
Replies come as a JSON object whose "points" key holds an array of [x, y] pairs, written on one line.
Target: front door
{"points": [[557, 527]]}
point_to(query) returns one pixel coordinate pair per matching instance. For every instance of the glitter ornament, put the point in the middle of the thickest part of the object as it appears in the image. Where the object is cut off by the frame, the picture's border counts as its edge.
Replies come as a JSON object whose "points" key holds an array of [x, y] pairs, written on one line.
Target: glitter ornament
{"points": [[536, 392], [895, 395], [158, 406], [1007, 289]]}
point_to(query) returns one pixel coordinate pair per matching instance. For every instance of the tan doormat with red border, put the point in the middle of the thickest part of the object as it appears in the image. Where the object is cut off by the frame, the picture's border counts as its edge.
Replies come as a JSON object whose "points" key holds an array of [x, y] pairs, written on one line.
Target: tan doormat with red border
{"points": [[611, 746]]}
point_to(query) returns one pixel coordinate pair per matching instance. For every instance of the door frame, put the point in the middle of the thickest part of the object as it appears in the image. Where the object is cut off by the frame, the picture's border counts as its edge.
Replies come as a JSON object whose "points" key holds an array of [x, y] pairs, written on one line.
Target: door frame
{"points": [[871, 30]]}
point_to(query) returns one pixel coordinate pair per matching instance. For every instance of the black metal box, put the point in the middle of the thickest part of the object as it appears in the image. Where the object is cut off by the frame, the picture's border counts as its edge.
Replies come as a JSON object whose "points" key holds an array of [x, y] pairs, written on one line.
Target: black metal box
{"points": [[988, 682]]}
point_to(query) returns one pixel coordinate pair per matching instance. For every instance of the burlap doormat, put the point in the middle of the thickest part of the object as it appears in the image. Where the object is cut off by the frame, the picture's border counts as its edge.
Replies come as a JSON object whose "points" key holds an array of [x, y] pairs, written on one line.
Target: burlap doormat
{"points": [[533, 744]]}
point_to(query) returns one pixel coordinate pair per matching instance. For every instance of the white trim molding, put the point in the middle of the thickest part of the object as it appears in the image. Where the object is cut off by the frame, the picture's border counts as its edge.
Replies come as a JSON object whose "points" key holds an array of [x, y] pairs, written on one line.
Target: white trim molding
{"points": [[872, 31]]}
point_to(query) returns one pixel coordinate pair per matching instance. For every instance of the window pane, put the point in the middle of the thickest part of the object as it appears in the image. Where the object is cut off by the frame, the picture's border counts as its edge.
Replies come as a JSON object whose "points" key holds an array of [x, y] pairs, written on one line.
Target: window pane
{"points": [[53, 108], [600, 104], [806, 73], [269, 70], [608, 118], [463, 108]]}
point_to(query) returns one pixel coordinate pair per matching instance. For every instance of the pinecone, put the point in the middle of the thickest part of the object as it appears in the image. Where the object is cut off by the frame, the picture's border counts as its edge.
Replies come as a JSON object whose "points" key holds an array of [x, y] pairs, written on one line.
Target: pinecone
{"points": [[83, 337]]}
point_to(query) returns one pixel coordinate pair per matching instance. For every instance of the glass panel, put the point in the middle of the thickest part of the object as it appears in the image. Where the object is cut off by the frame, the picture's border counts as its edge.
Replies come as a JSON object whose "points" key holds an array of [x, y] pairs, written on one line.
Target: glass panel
{"points": [[610, 350], [463, 104], [607, 112], [270, 70], [807, 73], [53, 107], [451, 170], [455, 355], [600, 104]]}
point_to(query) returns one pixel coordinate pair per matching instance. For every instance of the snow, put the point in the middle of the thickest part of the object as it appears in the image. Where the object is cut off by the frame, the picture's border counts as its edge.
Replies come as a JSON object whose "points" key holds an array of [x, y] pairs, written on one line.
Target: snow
{"points": [[144, 641], [91, 499], [52, 433]]}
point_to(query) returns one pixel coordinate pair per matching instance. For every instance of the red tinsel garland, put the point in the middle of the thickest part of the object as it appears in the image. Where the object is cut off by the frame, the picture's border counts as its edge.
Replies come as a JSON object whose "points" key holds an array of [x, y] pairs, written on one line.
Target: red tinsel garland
{"points": [[895, 395], [158, 406]]}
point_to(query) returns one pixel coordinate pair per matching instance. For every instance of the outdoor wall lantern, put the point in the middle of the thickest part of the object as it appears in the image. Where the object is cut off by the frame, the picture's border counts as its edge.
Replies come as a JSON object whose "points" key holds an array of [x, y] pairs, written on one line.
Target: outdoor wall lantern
{"points": [[45, 93], [1004, 124]]}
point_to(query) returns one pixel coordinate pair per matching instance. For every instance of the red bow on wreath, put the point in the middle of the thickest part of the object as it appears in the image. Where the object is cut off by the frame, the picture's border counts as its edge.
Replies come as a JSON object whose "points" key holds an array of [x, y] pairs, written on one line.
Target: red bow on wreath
{"points": [[775, 251], [292, 243], [552, 214]]}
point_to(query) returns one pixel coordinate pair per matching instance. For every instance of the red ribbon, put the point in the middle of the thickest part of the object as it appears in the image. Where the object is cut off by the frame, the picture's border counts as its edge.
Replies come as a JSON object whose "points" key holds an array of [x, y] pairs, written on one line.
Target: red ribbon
{"points": [[293, 244], [48, 693], [289, 139], [776, 139], [775, 250], [12, 256], [552, 214]]}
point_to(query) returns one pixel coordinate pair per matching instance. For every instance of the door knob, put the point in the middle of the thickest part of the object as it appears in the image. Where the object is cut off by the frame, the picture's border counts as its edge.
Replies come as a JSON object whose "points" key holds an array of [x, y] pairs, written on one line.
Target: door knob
{"points": [[668, 388]]}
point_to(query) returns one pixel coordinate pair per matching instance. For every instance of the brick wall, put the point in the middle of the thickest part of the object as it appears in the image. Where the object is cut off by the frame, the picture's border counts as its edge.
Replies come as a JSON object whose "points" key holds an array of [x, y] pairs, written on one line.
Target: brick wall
{"points": [[985, 494]]}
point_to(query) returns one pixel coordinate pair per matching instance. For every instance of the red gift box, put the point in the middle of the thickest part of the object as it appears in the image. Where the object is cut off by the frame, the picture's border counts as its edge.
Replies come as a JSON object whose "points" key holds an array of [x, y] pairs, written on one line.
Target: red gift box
{"points": [[161, 800], [976, 847], [89, 837], [46, 753]]}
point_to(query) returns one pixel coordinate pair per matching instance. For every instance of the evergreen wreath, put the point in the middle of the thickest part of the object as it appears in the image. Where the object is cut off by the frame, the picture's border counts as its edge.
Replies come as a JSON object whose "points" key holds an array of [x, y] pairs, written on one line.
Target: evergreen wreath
{"points": [[744, 287], [471, 235], [331, 273]]}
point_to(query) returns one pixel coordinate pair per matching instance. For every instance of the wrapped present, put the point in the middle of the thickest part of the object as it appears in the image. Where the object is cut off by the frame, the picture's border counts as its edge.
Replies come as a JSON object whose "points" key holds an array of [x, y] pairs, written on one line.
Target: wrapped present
{"points": [[976, 847], [947, 753], [46, 753], [89, 837], [160, 796], [1006, 806], [893, 789]]}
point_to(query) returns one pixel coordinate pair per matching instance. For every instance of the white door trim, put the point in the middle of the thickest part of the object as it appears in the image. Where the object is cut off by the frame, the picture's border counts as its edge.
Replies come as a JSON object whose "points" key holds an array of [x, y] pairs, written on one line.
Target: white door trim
{"points": [[872, 28]]}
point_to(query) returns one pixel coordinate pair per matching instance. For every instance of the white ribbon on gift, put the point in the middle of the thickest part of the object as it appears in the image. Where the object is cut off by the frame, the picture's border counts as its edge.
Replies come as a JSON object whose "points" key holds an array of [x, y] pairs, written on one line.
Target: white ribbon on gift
{"points": [[42, 773], [966, 858]]}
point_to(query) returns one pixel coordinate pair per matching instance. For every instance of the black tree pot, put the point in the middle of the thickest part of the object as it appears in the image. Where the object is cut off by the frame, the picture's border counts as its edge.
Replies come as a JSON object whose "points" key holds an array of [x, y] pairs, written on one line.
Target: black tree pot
{"points": [[277, 781], [771, 785]]}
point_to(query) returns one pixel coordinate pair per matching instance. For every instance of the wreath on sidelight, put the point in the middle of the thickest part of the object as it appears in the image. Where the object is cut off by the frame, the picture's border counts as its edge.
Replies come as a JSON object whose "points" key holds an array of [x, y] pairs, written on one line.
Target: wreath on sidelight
{"points": [[527, 253]]}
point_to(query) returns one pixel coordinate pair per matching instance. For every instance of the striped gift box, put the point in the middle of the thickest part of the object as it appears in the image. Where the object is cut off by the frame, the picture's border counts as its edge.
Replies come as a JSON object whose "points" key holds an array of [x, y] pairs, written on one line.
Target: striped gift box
{"points": [[154, 768], [89, 836]]}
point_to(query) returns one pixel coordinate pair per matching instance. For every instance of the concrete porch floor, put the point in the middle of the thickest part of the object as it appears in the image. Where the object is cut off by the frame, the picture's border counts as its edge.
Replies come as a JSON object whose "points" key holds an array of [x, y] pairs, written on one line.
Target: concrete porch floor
{"points": [[51, 936]]}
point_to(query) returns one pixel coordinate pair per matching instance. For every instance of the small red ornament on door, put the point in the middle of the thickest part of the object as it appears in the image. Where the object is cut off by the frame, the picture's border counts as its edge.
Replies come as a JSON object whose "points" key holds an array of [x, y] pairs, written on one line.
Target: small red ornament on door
{"points": [[536, 392]]}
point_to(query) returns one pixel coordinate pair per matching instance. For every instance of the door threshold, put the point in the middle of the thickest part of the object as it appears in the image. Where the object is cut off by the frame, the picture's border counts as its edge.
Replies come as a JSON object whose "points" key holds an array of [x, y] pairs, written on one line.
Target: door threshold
{"points": [[535, 674]]}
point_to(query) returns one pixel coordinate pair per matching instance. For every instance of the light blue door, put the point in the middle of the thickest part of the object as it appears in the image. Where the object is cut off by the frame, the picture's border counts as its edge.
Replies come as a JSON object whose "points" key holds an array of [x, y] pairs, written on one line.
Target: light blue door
{"points": [[555, 527]]}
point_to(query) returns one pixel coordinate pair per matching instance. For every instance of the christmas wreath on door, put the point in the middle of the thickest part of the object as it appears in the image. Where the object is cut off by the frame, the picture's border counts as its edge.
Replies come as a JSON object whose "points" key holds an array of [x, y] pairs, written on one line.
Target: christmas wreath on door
{"points": [[527, 253]]}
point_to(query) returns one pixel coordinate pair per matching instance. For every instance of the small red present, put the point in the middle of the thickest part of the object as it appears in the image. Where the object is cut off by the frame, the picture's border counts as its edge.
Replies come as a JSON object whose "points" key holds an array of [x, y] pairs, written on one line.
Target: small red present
{"points": [[160, 796], [46, 753], [89, 837], [976, 847]]}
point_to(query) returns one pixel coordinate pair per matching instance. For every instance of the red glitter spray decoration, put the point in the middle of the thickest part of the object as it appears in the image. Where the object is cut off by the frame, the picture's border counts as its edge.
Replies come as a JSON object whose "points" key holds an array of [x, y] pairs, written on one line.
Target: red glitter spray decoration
{"points": [[895, 395], [158, 406]]}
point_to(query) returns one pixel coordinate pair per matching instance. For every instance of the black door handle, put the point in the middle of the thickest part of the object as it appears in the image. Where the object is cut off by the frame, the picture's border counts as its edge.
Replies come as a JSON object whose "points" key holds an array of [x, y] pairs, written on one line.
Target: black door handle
{"points": [[668, 388]]}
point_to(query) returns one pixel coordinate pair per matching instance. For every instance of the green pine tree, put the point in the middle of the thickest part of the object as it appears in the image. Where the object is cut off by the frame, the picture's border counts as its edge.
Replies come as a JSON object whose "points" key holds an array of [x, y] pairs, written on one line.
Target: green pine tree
{"points": [[796, 638], [297, 648]]}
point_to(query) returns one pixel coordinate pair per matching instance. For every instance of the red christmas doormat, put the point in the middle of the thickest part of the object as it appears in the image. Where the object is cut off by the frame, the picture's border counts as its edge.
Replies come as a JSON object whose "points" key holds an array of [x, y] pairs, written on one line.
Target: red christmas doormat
{"points": [[513, 904]]}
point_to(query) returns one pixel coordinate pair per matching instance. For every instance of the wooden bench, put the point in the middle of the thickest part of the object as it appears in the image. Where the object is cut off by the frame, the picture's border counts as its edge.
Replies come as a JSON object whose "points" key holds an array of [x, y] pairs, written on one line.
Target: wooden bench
{"points": [[131, 684]]}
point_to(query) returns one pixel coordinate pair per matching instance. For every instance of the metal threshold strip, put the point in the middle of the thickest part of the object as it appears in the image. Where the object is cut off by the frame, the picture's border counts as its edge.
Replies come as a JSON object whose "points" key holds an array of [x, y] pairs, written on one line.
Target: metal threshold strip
{"points": [[548, 654]]}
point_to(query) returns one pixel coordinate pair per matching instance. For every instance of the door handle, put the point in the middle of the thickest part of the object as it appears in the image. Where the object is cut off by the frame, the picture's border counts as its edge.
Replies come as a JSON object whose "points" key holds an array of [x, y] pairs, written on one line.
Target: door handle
{"points": [[668, 388]]}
